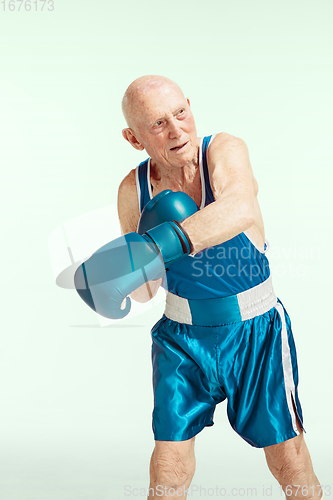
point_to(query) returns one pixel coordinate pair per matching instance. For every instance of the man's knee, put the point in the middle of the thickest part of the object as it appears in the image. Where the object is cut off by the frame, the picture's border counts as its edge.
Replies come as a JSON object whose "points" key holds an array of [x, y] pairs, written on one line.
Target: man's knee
{"points": [[172, 463], [289, 470], [289, 460]]}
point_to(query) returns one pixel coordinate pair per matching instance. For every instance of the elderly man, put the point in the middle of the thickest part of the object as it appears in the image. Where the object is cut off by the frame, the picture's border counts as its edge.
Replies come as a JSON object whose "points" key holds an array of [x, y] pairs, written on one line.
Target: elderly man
{"points": [[251, 362], [224, 333]]}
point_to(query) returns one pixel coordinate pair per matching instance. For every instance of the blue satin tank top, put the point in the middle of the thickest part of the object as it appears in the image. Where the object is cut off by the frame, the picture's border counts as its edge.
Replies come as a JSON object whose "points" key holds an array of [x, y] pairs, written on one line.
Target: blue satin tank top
{"points": [[218, 271]]}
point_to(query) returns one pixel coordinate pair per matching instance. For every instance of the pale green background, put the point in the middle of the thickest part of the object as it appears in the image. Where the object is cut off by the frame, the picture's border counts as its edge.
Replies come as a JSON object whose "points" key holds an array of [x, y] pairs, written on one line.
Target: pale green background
{"points": [[75, 415]]}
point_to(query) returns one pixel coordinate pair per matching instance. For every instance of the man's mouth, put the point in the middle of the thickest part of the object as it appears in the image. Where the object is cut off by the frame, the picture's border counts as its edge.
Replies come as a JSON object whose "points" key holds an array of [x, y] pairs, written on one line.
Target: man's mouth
{"points": [[178, 148]]}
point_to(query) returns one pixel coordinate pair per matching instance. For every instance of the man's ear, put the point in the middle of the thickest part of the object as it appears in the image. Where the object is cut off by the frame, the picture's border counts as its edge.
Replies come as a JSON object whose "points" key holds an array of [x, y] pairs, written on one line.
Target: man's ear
{"points": [[129, 136], [188, 101]]}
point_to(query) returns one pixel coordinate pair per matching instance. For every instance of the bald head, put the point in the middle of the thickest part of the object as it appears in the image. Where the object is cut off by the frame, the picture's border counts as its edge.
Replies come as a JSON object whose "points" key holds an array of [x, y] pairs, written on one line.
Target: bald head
{"points": [[160, 121], [138, 92]]}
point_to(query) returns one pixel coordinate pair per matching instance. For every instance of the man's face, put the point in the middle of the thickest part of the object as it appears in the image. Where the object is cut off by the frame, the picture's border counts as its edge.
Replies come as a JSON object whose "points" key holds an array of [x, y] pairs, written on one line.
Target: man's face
{"points": [[164, 125]]}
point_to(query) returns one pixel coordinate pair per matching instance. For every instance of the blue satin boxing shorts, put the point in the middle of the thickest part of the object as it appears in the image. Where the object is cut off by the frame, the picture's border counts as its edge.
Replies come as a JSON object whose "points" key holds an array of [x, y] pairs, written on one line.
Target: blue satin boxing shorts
{"points": [[239, 348]]}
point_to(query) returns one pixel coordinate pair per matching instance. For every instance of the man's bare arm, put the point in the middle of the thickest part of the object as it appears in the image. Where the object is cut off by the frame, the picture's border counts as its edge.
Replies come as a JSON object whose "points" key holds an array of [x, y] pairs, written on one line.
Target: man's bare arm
{"points": [[233, 186], [128, 212]]}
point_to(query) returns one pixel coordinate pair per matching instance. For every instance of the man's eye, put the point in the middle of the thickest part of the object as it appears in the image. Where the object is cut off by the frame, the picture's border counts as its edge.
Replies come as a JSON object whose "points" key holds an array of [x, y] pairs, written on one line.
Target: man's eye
{"points": [[158, 124]]}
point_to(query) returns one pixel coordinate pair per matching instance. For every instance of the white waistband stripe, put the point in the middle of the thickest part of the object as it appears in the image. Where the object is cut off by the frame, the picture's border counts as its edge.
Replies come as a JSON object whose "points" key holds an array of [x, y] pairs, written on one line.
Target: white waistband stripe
{"points": [[257, 300], [225, 310]]}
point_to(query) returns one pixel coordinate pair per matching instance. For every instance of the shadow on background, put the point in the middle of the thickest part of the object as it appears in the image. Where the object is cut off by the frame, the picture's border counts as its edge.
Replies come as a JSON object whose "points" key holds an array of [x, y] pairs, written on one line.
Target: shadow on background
{"points": [[108, 326]]}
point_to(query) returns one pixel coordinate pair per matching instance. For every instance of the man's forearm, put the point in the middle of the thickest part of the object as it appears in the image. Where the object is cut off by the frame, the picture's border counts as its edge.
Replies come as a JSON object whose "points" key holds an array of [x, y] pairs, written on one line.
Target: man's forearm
{"points": [[218, 222]]}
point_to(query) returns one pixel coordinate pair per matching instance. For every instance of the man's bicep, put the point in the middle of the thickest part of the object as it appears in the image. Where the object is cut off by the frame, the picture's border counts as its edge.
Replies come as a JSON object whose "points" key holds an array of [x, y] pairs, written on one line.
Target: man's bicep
{"points": [[230, 169], [128, 205]]}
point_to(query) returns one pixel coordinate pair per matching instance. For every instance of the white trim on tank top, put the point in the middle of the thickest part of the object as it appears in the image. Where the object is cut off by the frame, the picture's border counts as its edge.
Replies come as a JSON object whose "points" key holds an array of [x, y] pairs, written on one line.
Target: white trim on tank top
{"points": [[148, 179]]}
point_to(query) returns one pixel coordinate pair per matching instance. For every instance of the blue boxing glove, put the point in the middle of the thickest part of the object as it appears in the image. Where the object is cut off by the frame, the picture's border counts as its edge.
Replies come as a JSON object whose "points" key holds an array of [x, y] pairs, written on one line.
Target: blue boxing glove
{"points": [[123, 265], [165, 206]]}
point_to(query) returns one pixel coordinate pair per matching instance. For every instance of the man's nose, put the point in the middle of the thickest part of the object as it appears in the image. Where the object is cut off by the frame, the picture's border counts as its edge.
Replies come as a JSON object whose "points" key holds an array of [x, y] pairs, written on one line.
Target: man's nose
{"points": [[174, 129]]}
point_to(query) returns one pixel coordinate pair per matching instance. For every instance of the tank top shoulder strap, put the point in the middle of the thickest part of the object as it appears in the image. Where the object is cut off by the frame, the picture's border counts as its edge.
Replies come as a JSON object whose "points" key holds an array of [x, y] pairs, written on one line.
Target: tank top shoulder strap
{"points": [[209, 193], [142, 177]]}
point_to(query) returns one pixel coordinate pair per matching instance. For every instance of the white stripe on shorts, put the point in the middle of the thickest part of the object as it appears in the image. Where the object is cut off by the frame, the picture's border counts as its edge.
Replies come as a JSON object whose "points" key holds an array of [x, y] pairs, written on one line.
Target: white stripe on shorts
{"points": [[287, 367]]}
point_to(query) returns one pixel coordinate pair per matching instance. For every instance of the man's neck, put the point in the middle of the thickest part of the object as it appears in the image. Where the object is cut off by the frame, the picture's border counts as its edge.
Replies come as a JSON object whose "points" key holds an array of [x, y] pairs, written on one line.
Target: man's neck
{"points": [[177, 177]]}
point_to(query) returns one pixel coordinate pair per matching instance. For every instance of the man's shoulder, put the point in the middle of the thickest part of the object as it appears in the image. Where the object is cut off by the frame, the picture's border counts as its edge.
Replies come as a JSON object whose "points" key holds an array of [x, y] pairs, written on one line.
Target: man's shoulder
{"points": [[127, 191], [224, 144], [225, 139], [129, 182], [128, 205]]}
